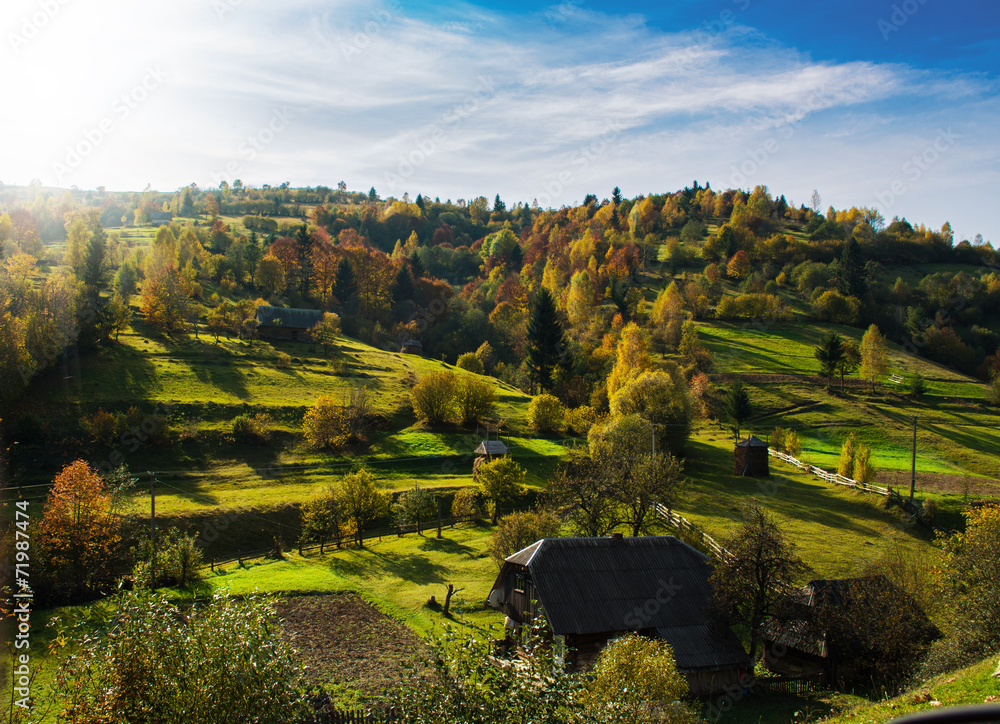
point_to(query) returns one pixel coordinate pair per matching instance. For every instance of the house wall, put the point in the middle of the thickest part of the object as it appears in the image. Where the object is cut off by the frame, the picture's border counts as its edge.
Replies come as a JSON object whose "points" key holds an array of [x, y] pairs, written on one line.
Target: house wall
{"points": [[709, 683], [284, 333]]}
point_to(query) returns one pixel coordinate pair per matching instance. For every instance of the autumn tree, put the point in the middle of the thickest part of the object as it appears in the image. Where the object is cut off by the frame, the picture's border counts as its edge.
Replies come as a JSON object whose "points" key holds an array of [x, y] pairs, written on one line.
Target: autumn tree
{"points": [[500, 481], [519, 530], [874, 356], [751, 581], [663, 398], [545, 413], [546, 343], [850, 360], [326, 330], [580, 299], [270, 274], [80, 533], [635, 679], [362, 501], [739, 266], [325, 424], [166, 300], [971, 578], [631, 358], [118, 315]]}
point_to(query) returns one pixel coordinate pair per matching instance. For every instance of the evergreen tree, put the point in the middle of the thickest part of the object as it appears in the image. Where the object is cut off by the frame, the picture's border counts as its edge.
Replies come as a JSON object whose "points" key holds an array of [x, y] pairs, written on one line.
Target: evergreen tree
{"points": [[616, 196], [92, 270], [420, 201], [738, 406], [304, 241], [417, 266], [344, 286], [545, 339], [252, 254], [499, 205], [851, 274], [372, 196], [187, 205], [830, 354]]}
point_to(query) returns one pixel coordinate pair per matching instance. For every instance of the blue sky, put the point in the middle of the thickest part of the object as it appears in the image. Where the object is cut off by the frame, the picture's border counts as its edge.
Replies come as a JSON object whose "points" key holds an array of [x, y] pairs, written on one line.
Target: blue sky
{"points": [[892, 105]]}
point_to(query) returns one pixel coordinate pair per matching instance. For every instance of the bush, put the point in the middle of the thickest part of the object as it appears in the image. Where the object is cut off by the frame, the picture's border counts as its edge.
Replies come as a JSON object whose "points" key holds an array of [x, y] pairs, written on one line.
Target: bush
{"points": [[546, 413], [283, 360], [465, 505], [433, 397], [918, 386], [580, 419], [104, 427], [326, 425], [470, 362], [251, 429], [474, 398]]}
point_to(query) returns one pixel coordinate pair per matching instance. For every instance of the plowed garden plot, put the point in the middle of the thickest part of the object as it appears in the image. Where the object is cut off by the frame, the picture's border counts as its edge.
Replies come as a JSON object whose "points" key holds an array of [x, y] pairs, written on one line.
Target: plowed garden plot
{"points": [[344, 639]]}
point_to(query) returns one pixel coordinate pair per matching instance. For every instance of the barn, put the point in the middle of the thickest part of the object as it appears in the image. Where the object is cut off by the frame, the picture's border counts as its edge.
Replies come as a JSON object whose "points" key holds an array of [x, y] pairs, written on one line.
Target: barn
{"points": [[594, 589], [800, 644], [286, 323], [751, 458]]}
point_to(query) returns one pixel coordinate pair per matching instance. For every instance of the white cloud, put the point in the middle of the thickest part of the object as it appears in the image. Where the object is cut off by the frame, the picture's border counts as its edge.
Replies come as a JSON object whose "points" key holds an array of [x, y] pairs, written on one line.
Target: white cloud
{"points": [[462, 101]]}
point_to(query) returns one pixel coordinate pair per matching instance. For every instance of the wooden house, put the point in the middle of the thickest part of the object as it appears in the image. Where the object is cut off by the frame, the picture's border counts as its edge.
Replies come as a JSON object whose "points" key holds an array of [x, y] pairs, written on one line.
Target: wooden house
{"points": [[827, 623], [412, 346], [286, 323], [751, 458], [595, 589], [160, 218]]}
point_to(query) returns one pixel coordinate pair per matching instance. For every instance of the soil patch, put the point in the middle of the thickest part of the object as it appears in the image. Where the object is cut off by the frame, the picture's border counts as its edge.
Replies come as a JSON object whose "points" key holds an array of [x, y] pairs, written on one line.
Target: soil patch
{"points": [[342, 638]]}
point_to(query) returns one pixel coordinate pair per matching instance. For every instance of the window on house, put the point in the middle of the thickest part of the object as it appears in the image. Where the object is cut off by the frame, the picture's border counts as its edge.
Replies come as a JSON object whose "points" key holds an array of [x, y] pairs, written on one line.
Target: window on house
{"points": [[519, 585]]}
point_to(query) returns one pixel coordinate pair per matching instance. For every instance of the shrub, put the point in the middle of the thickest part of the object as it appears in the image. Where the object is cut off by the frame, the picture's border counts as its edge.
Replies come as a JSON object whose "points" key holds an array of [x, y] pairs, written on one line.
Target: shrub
{"points": [[433, 397], [283, 360], [792, 445], [326, 425], [474, 398], [470, 362], [918, 386], [104, 427], [778, 439], [465, 505], [546, 413], [580, 419], [249, 429]]}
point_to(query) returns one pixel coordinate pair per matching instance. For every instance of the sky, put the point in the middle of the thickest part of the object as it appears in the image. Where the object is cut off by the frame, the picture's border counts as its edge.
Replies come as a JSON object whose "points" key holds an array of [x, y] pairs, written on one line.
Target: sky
{"points": [[891, 105]]}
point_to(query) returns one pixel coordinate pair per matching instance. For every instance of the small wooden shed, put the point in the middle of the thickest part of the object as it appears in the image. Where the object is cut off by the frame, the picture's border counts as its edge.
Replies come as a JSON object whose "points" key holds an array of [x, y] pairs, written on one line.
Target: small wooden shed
{"points": [[751, 458], [488, 451], [412, 346], [286, 323]]}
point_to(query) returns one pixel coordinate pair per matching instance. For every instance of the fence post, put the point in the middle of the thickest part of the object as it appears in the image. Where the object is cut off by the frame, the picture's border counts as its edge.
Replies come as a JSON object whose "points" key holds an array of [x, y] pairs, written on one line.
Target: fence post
{"points": [[213, 565]]}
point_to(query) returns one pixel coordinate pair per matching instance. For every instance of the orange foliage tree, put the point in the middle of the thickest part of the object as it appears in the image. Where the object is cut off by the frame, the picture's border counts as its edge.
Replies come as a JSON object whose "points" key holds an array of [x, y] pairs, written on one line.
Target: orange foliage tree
{"points": [[80, 531]]}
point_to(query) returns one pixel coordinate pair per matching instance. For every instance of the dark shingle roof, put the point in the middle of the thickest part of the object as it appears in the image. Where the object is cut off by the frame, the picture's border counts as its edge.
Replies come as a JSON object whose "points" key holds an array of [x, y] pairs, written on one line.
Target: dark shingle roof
{"points": [[752, 441], [596, 585], [287, 317], [491, 447]]}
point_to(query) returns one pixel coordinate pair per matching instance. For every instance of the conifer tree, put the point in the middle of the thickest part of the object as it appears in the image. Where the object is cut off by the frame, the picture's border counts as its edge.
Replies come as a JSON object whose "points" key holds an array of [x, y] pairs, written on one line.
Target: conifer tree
{"points": [[545, 339]]}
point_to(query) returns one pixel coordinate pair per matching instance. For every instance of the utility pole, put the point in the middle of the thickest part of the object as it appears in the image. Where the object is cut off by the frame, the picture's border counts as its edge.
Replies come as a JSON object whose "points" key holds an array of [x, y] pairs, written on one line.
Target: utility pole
{"points": [[913, 468], [152, 529]]}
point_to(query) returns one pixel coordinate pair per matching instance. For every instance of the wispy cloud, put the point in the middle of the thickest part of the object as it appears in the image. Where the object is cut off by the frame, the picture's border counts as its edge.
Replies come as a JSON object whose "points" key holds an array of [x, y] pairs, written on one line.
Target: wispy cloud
{"points": [[369, 82]]}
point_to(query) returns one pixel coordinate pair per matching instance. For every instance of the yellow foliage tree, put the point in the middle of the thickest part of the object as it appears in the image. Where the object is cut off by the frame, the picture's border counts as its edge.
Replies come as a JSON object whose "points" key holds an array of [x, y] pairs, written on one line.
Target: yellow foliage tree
{"points": [[632, 358]]}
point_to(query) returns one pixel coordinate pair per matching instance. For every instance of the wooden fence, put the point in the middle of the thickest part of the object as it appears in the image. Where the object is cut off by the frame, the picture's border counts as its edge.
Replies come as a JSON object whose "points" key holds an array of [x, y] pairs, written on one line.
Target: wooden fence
{"points": [[787, 684], [681, 523], [903, 502], [343, 716], [426, 527]]}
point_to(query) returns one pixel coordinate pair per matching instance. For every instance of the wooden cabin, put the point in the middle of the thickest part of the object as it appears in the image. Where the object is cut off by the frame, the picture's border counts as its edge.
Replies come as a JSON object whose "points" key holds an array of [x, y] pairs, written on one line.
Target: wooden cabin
{"points": [[801, 645], [751, 458], [412, 346], [595, 589], [285, 323]]}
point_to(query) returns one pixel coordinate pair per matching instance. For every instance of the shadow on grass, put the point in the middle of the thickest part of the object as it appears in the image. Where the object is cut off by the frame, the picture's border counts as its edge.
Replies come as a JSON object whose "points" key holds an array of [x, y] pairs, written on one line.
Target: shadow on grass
{"points": [[446, 545], [406, 566]]}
